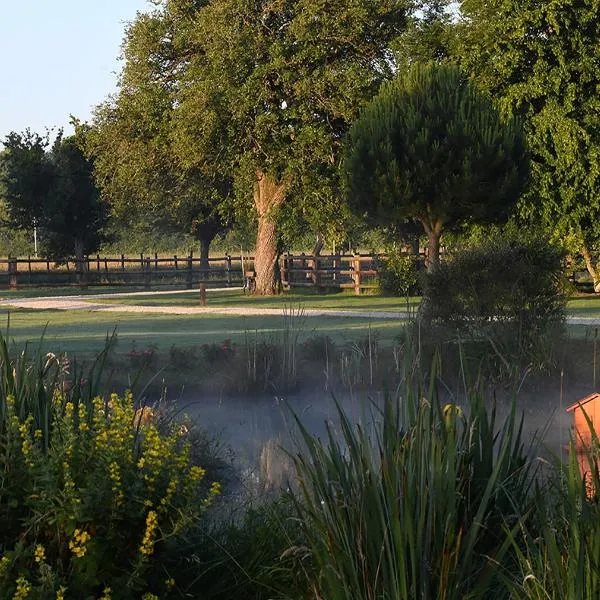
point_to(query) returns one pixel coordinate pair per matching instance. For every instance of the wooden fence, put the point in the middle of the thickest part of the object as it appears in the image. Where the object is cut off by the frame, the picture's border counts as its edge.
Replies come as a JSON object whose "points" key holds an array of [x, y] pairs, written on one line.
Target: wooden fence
{"points": [[356, 271]]}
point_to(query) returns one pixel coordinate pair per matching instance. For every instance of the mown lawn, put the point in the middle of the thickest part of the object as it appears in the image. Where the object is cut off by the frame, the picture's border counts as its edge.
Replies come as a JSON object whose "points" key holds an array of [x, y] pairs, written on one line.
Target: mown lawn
{"points": [[83, 332]]}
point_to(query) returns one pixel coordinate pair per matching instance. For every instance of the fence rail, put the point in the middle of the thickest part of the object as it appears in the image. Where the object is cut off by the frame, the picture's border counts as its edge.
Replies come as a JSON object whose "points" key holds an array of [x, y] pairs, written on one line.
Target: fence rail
{"points": [[356, 271]]}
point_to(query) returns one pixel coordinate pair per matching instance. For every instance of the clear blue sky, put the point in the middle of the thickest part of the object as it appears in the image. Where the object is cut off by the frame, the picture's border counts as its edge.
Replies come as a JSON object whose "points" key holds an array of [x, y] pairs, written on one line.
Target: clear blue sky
{"points": [[58, 57]]}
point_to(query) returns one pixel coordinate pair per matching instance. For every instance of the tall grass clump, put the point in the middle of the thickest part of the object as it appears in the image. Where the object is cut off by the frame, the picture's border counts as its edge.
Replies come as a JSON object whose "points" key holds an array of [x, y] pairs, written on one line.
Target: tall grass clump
{"points": [[416, 505], [560, 559]]}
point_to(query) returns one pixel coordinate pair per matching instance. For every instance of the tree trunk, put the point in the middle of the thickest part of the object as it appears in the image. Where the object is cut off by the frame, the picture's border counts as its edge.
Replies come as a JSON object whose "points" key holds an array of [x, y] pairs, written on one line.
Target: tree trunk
{"points": [[434, 233], [589, 263], [319, 243], [206, 233], [80, 266], [269, 195], [204, 253]]}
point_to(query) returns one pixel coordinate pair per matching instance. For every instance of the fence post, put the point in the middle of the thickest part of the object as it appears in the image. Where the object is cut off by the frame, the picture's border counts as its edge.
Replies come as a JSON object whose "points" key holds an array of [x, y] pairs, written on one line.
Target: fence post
{"points": [[190, 273], [228, 259], [356, 273], [122, 262], [12, 273], [147, 272]]}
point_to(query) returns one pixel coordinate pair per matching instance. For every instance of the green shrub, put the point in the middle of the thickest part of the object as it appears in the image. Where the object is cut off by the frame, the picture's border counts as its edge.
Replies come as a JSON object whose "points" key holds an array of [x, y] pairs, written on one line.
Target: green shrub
{"points": [[509, 293], [399, 274], [92, 491]]}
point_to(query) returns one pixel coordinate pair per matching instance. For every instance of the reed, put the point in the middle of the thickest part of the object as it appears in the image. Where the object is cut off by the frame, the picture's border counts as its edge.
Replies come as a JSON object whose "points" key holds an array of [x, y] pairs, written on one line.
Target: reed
{"points": [[415, 504]]}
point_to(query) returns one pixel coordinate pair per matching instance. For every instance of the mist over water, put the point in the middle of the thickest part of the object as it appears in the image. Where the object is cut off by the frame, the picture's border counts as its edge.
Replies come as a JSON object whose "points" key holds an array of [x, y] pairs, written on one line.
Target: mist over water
{"points": [[248, 424]]}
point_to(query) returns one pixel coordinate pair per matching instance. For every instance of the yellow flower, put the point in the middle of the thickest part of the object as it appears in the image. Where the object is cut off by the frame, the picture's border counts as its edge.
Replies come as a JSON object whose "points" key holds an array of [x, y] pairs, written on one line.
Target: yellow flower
{"points": [[147, 546], [60, 594], [106, 594], [39, 554], [170, 583], [4, 564], [78, 543], [23, 589]]}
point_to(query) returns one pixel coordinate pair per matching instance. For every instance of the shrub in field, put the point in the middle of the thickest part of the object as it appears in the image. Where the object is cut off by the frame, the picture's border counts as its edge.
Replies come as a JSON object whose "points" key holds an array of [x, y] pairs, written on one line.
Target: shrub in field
{"points": [[507, 292], [92, 510], [398, 275], [416, 507]]}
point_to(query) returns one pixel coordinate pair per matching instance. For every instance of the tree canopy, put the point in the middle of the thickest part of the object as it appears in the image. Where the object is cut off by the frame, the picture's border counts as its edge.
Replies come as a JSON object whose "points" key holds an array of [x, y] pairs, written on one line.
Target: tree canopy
{"points": [[259, 91], [540, 60], [431, 148], [133, 143], [53, 188]]}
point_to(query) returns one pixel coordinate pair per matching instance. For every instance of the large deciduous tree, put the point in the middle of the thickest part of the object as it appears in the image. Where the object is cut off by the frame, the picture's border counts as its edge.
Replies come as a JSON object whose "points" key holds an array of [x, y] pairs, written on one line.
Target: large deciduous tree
{"points": [[133, 142], [541, 60], [431, 148], [267, 92], [53, 188]]}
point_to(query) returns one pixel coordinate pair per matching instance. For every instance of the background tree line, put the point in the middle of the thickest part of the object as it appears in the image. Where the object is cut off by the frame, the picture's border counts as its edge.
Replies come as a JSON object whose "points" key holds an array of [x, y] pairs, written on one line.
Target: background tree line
{"points": [[298, 118]]}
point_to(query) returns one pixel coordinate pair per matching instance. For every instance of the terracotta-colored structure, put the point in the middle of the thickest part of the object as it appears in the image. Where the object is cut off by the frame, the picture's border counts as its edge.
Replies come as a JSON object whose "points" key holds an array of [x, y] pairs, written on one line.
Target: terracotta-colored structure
{"points": [[587, 408]]}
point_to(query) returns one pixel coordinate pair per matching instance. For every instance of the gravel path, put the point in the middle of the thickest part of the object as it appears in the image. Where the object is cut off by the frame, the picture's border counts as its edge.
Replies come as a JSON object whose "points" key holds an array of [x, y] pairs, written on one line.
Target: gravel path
{"points": [[86, 303]]}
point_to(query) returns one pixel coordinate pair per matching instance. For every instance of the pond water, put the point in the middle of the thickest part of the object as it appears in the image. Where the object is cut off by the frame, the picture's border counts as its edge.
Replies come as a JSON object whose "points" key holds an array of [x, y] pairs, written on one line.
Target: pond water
{"points": [[256, 427]]}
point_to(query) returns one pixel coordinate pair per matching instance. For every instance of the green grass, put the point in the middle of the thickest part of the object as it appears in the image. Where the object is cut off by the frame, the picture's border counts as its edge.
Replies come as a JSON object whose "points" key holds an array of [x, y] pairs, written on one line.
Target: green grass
{"points": [[83, 332], [584, 306], [236, 298], [45, 292]]}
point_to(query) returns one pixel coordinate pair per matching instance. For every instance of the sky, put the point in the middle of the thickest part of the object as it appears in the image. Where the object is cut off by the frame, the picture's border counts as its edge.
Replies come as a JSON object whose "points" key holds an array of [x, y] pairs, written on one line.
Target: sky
{"points": [[57, 58]]}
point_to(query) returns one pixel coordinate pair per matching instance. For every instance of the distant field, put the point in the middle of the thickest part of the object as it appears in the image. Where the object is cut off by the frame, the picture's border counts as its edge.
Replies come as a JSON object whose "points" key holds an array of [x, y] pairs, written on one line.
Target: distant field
{"points": [[236, 298], [84, 332]]}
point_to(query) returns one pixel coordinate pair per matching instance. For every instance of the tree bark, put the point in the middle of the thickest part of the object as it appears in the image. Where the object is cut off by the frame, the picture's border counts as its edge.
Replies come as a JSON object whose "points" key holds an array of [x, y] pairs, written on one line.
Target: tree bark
{"points": [[205, 233], [434, 233], [204, 253], [269, 195], [589, 263], [80, 266]]}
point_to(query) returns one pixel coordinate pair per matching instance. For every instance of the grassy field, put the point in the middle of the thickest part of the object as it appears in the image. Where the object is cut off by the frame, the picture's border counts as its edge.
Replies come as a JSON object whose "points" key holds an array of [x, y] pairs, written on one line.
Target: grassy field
{"points": [[83, 332]]}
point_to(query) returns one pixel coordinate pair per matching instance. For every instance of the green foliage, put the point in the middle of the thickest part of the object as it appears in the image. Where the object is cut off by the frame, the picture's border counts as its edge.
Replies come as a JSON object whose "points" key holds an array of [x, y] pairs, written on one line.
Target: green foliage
{"points": [[53, 189], [561, 554], [431, 149], [92, 491], [539, 60], [508, 292], [398, 275], [250, 552], [414, 506]]}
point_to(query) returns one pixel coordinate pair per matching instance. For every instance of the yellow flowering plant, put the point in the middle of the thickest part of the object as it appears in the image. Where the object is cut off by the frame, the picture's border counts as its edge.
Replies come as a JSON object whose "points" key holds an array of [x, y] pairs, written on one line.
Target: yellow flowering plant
{"points": [[91, 504]]}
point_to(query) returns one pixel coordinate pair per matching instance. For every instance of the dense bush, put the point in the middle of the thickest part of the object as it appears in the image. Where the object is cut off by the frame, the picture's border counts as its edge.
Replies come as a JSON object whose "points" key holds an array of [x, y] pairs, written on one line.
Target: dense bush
{"points": [[508, 292], [93, 491], [399, 274]]}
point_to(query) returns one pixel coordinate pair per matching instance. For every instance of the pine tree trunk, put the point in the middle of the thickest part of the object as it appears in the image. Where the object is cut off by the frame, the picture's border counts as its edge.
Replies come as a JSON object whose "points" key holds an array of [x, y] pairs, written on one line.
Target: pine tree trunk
{"points": [[269, 195], [434, 233]]}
